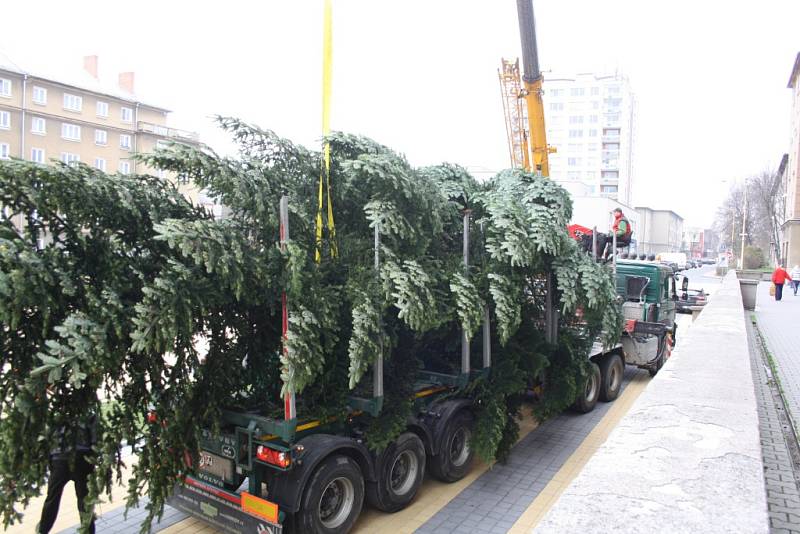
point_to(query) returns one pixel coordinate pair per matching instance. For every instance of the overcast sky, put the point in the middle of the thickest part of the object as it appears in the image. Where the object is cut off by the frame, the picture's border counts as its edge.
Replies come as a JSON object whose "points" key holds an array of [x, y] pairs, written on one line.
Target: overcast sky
{"points": [[421, 75]]}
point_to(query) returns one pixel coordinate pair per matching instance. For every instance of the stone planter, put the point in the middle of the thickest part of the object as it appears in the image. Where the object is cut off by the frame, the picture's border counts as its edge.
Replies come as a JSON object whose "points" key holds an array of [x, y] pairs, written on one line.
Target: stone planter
{"points": [[721, 271], [748, 274], [748, 288]]}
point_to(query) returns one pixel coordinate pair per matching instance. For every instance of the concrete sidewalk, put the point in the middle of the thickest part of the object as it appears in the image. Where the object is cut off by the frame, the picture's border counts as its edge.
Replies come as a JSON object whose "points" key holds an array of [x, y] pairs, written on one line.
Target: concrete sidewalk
{"points": [[687, 458]]}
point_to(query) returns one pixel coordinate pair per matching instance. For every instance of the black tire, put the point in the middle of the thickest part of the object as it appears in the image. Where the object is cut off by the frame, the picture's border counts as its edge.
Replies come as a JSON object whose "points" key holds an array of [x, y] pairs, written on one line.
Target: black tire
{"points": [[611, 370], [588, 395], [402, 469], [661, 358], [455, 454], [332, 498]]}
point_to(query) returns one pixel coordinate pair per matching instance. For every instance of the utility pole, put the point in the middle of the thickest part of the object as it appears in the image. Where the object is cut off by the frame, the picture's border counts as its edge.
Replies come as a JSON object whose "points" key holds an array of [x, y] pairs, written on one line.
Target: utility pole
{"points": [[744, 222]]}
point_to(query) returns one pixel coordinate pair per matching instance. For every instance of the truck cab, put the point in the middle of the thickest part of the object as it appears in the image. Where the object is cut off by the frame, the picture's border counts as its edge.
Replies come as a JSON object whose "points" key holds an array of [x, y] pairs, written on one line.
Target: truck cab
{"points": [[649, 302]]}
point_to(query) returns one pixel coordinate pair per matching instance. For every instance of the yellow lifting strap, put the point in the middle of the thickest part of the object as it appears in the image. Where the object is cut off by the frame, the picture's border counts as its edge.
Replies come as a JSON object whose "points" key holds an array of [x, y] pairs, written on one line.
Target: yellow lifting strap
{"points": [[325, 171]]}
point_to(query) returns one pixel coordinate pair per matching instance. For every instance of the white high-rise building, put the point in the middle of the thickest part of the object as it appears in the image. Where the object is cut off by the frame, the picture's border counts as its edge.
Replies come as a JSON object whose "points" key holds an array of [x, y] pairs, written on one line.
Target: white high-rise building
{"points": [[591, 120]]}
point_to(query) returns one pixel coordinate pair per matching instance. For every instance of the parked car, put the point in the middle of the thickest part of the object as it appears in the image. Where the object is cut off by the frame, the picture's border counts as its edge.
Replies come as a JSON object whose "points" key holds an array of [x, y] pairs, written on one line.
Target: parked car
{"points": [[691, 300]]}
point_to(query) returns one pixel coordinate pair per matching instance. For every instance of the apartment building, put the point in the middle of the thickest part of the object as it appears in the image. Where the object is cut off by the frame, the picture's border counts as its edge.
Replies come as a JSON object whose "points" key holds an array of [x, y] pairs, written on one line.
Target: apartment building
{"points": [[590, 119], [790, 227], [81, 120], [658, 231]]}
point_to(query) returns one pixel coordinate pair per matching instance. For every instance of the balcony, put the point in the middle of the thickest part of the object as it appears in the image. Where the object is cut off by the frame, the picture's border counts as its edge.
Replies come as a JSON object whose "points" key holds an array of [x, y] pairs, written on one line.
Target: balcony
{"points": [[172, 133]]}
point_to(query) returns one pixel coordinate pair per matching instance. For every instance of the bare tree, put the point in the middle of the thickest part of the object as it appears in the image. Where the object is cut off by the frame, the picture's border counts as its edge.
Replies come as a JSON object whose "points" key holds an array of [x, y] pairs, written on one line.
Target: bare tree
{"points": [[764, 212]]}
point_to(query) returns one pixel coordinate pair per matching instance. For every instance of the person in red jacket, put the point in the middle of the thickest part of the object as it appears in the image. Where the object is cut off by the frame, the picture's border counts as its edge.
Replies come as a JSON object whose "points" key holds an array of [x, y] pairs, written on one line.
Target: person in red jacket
{"points": [[780, 277]]}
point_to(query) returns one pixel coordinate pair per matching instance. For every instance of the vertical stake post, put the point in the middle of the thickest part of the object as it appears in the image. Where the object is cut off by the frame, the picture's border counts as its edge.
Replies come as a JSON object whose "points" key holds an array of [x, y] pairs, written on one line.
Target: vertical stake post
{"points": [[594, 243], [487, 341], [289, 409], [550, 311], [465, 364], [614, 251], [377, 368]]}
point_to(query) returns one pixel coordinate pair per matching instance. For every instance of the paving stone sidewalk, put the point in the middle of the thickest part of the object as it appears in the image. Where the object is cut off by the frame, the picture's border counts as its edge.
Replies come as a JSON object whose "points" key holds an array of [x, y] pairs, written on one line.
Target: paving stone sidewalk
{"points": [[496, 499], [115, 522], [779, 323], [778, 442]]}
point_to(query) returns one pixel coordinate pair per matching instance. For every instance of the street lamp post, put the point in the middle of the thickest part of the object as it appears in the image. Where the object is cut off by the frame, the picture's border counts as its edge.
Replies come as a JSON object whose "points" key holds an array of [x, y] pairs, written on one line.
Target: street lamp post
{"points": [[744, 222]]}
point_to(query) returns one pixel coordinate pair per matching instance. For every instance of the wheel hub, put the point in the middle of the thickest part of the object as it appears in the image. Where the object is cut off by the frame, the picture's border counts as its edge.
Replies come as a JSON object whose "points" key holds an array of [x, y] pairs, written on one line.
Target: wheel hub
{"points": [[336, 502], [404, 473], [459, 447]]}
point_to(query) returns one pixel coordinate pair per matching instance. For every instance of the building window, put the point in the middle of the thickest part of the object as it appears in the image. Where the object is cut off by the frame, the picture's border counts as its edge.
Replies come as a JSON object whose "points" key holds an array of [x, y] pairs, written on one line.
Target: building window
{"points": [[610, 175], [556, 106], [614, 90], [38, 126], [71, 131], [5, 151], [125, 141], [124, 166], [573, 162], [594, 119], [575, 133], [102, 109], [39, 95], [576, 119], [608, 189], [574, 175], [69, 158], [576, 91], [161, 173], [127, 114], [595, 91], [100, 137], [73, 102], [556, 92], [5, 87], [592, 133], [100, 164], [37, 155], [5, 120]]}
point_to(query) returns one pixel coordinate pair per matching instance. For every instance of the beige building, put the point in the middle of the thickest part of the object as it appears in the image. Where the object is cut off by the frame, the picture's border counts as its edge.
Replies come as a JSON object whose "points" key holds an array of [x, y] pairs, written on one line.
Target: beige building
{"points": [[658, 231], [790, 229], [81, 120]]}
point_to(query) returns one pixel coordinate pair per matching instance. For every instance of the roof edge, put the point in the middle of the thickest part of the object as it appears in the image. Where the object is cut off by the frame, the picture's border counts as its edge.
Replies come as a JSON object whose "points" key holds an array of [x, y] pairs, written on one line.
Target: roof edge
{"points": [[93, 91], [795, 71]]}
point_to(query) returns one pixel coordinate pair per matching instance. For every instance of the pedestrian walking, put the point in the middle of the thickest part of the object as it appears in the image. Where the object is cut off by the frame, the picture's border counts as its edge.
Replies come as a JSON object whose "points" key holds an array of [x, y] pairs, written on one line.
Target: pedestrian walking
{"points": [[70, 459], [795, 274], [779, 277]]}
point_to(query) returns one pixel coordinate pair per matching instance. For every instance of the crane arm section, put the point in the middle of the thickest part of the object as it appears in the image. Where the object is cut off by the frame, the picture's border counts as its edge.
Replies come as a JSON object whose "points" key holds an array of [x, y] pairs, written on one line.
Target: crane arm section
{"points": [[532, 81]]}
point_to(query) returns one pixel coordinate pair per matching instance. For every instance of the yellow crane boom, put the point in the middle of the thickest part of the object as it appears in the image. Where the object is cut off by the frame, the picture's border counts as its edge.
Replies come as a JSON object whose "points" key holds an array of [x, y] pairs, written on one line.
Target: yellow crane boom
{"points": [[522, 100]]}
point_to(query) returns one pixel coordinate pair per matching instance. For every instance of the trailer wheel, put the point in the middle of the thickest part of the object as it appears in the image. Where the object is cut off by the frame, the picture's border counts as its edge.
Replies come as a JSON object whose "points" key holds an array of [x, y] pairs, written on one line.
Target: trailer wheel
{"points": [[611, 370], [333, 497], [402, 471], [455, 453], [587, 398]]}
